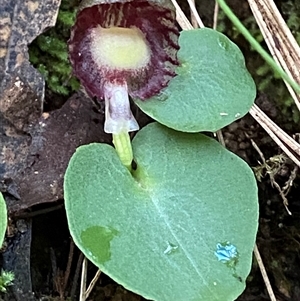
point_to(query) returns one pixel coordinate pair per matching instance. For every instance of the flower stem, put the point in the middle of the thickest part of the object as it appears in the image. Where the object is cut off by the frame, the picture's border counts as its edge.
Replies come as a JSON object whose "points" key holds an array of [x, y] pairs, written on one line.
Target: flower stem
{"points": [[123, 147]]}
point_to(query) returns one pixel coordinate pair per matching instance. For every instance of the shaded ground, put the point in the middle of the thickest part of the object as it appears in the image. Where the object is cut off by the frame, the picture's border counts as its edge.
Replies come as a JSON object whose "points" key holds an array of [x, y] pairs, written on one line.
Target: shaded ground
{"points": [[38, 242]]}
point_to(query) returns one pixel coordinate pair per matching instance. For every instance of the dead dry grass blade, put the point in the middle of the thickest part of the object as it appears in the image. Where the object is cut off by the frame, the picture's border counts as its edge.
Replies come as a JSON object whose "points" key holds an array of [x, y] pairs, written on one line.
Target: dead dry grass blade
{"points": [[193, 18], [280, 41], [85, 292], [216, 14], [93, 283], [82, 296], [195, 13], [280, 137], [181, 18], [286, 53], [264, 273]]}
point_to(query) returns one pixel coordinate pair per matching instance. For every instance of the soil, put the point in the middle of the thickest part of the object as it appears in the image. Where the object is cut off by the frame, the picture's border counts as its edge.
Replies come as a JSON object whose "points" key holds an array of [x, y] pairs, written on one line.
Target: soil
{"points": [[38, 245]]}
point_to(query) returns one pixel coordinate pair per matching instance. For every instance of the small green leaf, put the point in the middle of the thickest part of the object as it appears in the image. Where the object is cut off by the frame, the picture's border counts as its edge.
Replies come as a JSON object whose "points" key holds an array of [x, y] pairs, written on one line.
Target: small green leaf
{"points": [[212, 88], [160, 231], [3, 218]]}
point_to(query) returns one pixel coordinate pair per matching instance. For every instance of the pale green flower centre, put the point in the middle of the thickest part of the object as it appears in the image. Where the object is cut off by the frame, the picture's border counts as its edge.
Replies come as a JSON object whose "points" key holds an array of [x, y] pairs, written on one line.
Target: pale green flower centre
{"points": [[119, 48]]}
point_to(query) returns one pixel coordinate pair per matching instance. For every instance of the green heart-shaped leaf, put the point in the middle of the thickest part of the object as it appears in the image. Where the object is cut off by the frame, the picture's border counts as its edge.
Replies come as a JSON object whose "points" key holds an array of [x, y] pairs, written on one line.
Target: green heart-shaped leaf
{"points": [[3, 218], [158, 232], [212, 87]]}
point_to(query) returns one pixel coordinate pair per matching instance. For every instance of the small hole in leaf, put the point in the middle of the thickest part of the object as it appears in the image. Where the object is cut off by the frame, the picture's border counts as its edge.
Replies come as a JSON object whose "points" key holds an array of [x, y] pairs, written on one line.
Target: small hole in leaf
{"points": [[134, 165]]}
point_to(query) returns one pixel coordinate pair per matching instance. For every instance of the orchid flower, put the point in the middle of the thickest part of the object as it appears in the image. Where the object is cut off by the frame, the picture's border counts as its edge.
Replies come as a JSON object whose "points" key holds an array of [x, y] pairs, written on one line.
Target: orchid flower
{"points": [[124, 48]]}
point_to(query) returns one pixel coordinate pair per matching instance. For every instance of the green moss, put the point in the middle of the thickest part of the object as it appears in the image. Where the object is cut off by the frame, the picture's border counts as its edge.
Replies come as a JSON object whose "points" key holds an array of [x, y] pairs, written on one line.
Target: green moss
{"points": [[6, 279], [49, 52]]}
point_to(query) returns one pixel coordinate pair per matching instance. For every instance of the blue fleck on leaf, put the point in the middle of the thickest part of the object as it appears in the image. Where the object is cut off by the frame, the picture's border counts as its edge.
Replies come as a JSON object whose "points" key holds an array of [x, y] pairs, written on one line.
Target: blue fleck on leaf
{"points": [[227, 253]]}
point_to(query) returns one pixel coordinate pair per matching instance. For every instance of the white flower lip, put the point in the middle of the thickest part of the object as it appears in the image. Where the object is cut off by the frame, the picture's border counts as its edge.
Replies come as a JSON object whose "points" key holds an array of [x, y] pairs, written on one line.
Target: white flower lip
{"points": [[118, 116]]}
